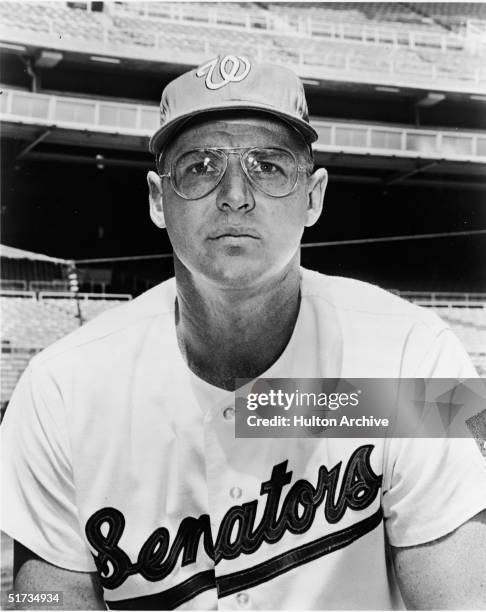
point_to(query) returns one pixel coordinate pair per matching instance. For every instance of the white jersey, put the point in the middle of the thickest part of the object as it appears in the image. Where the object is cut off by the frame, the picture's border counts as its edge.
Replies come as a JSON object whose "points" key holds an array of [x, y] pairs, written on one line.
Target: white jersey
{"points": [[118, 459]]}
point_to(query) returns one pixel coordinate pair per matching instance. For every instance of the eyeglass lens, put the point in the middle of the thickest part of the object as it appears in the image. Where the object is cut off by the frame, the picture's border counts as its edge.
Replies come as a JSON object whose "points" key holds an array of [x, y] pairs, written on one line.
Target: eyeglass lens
{"points": [[197, 172]]}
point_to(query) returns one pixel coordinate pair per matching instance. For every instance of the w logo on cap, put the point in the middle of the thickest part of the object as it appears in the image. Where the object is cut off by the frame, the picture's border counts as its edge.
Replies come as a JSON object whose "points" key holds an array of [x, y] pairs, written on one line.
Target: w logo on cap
{"points": [[232, 69]]}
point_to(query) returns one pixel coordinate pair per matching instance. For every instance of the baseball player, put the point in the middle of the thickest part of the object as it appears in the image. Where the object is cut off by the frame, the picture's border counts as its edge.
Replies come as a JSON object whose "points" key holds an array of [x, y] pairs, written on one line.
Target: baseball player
{"points": [[124, 484]]}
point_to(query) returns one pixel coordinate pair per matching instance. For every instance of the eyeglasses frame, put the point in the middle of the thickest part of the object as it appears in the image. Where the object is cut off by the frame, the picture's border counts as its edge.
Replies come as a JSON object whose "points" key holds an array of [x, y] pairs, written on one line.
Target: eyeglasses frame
{"points": [[170, 174]]}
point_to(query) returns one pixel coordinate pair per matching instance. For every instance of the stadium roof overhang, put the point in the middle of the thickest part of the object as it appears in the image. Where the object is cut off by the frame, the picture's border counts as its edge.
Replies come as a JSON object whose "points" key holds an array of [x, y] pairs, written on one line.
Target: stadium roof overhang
{"points": [[14, 253]]}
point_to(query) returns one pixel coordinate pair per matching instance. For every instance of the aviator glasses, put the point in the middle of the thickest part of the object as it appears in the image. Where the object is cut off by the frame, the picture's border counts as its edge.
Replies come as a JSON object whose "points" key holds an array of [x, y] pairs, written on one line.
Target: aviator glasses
{"points": [[194, 174]]}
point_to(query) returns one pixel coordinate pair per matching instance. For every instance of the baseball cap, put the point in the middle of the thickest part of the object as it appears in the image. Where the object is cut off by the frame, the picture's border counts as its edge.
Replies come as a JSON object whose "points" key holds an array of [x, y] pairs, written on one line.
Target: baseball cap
{"points": [[233, 82]]}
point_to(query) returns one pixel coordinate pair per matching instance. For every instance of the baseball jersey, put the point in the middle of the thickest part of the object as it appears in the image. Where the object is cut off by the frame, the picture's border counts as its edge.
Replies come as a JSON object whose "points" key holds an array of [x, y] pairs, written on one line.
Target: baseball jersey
{"points": [[118, 459]]}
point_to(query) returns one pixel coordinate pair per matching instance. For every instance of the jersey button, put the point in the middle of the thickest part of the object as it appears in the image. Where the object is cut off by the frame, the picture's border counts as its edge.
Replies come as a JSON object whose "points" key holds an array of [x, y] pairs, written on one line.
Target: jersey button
{"points": [[229, 413], [235, 492], [242, 599]]}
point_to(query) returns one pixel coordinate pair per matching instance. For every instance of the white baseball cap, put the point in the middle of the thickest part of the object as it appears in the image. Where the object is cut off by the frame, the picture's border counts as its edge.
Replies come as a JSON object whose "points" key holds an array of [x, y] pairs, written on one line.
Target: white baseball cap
{"points": [[233, 82]]}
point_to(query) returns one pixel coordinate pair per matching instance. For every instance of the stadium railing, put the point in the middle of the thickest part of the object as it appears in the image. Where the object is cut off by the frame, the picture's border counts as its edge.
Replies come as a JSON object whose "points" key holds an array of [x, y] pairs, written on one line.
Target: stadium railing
{"points": [[18, 106], [64, 110], [83, 296], [18, 293], [452, 297]]}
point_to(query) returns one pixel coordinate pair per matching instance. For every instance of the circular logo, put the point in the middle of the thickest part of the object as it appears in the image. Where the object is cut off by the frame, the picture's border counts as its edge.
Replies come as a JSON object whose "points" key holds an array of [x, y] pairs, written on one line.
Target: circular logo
{"points": [[232, 69]]}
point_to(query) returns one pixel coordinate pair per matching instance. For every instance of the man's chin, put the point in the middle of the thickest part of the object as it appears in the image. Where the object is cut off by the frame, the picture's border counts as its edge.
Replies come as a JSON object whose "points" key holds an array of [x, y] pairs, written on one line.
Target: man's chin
{"points": [[235, 274]]}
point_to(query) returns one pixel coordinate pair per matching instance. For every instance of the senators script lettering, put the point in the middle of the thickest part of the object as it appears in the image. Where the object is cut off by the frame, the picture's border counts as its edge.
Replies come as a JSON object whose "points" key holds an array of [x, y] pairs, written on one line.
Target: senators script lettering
{"points": [[157, 557]]}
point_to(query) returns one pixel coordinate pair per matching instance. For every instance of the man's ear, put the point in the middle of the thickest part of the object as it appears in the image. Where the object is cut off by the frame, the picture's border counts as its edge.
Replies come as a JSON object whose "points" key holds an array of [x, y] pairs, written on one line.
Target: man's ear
{"points": [[156, 199], [316, 188]]}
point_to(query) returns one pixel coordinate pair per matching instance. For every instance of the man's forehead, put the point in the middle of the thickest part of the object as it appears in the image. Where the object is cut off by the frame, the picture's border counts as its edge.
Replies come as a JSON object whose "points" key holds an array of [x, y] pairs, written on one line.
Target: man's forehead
{"points": [[235, 131]]}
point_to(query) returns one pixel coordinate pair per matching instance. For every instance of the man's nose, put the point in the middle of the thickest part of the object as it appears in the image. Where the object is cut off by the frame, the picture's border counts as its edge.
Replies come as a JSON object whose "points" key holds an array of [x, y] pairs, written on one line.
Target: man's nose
{"points": [[234, 191]]}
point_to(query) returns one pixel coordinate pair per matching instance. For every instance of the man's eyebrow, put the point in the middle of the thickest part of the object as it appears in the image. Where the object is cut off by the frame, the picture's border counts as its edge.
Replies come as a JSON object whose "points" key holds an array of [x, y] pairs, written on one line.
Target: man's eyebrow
{"points": [[253, 146]]}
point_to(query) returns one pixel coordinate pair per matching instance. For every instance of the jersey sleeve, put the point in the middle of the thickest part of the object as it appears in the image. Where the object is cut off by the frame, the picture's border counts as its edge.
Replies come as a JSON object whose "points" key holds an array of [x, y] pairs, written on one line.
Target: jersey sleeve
{"points": [[38, 493], [446, 358], [431, 486]]}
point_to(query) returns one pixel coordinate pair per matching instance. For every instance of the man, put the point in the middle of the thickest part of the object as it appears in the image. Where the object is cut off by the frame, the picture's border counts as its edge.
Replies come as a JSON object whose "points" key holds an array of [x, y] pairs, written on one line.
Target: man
{"points": [[121, 464]]}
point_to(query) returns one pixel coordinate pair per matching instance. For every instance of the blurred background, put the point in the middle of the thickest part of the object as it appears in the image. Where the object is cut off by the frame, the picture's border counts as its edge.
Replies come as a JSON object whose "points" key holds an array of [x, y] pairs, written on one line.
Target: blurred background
{"points": [[396, 92]]}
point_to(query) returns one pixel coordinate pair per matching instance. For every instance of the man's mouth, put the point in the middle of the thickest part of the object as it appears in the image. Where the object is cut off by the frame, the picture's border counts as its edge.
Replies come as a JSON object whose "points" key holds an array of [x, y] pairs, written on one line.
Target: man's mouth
{"points": [[242, 232]]}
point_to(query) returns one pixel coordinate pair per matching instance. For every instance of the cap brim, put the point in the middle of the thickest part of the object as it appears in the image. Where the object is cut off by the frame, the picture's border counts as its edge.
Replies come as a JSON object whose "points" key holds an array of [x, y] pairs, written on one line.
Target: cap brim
{"points": [[165, 132]]}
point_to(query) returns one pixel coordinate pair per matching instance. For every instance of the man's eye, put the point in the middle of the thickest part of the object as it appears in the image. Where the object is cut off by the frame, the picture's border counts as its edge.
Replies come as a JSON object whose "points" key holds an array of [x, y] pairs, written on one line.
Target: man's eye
{"points": [[264, 167], [201, 169]]}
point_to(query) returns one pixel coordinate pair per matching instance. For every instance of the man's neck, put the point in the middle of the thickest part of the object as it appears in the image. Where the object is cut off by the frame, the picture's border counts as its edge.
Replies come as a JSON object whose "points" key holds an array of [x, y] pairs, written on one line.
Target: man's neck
{"points": [[226, 334]]}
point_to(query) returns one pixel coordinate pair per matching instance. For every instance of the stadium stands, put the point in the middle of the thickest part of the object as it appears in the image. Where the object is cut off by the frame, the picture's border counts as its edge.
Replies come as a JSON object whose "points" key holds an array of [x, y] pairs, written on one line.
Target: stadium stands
{"points": [[30, 324], [33, 323], [54, 18], [328, 36], [468, 323], [378, 23], [431, 16], [452, 15], [466, 314], [12, 363]]}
